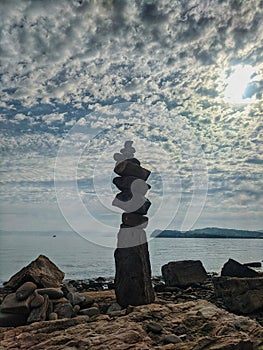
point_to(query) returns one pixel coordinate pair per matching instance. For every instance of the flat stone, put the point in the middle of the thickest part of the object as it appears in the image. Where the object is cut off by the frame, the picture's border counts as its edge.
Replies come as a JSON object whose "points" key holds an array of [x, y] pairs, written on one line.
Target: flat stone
{"points": [[42, 271], [53, 293], [39, 313], [11, 305], [154, 327], [12, 320], [129, 168], [92, 311], [136, 203], [25, 290], [134, 220], [131, 184], [172, 339], [183, 273], [233, 268]]}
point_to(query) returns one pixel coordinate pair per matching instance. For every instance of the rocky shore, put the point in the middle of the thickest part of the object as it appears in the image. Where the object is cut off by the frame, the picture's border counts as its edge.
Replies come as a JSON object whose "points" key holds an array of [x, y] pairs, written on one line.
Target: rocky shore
{"points": [[190, 311]]}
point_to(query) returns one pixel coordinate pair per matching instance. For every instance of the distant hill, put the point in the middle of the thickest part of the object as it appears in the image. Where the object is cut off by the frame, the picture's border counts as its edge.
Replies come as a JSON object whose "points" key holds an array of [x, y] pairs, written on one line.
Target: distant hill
{"points": [[208, 232]]}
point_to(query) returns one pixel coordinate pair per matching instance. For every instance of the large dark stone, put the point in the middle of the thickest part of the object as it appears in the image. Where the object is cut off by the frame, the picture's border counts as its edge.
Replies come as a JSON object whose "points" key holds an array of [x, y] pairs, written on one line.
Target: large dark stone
{"points": [[233, 268], [183, 273], [131, 184], [12, 320], [242, 295], [25, 290], [133, 284], [129, 203], [42, 271], [11, 305], [129, 168]]}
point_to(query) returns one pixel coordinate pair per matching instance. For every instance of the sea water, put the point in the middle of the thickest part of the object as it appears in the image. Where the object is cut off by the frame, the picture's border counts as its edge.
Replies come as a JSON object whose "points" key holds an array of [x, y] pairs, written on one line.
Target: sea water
{"points": [[81, 259]]}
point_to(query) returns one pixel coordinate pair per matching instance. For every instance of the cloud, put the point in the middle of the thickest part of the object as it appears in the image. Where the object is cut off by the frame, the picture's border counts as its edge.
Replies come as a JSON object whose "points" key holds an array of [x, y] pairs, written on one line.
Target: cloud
{"points": [[65, 62]]}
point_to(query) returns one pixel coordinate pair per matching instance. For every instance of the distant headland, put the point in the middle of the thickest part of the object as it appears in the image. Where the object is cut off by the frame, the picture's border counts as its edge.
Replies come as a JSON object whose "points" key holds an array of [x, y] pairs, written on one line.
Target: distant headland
{"points": [[208, 232]]}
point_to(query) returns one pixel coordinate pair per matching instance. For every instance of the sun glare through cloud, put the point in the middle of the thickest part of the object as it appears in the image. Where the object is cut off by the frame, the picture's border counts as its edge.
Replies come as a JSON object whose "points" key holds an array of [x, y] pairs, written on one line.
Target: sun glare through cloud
{"points": [[237, 84]]}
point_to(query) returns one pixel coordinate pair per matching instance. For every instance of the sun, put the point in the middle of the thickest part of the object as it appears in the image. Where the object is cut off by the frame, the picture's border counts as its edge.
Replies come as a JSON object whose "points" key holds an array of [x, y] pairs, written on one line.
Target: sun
{"points": [[237, 83]]}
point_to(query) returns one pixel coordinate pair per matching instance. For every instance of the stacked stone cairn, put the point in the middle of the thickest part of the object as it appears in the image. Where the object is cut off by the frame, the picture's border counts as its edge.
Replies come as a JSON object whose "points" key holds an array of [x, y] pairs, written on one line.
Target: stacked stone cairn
{"points": [[133, 284]]}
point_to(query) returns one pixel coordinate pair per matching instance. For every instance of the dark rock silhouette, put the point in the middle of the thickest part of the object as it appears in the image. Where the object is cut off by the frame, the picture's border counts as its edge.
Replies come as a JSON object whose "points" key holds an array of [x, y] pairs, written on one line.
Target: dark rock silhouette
{"points": [[133, 284]]}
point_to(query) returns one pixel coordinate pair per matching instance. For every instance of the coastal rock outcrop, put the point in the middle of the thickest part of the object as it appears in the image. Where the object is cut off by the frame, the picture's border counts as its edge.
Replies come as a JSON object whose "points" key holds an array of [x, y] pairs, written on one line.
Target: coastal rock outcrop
{"points": [[42, 271], [133, 284], [160, 326], [233, 268], [183, 273], [241, 295]]}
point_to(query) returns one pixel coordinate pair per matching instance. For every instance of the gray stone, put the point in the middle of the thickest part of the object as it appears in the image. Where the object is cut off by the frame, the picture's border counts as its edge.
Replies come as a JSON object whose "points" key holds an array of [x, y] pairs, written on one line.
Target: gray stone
{"points": [[131, 184], [87, 302], [42, 271], [154, 327], [53, 293], [242, 295], [172, 339], [39, 313], [11, 305], [133, 284], [183, 273], [64, 310], [92, 311], [53, 316], [25, 290], [233, 268], [113, 307], [75, 298]]}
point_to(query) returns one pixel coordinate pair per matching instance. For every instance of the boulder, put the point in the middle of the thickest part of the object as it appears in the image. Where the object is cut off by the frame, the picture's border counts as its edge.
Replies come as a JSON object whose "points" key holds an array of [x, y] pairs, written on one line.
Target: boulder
{"points": [[253, 264], [133, 284], [64, 310], [130, 168], [12, 320], [183, 273], [53, 293], [43, 272], [11, 305], [233, 268], [25, 290], [241, 295], [39, 313]]}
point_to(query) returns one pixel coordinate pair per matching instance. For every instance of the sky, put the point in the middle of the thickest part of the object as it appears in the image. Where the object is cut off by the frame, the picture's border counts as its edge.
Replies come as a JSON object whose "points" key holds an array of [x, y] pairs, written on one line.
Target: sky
{"points": [[182, 79]]}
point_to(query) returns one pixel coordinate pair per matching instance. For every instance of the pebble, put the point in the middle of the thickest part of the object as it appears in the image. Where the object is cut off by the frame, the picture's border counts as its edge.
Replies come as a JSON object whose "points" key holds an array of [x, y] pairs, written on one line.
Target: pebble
{"points": [[154, 327], [53, 316], [172, 339], [90, 312]]}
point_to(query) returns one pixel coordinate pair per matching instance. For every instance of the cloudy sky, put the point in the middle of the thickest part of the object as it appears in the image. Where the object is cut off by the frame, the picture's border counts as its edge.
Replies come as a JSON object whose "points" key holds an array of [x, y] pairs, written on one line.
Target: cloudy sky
{"points": [[183, 79]]}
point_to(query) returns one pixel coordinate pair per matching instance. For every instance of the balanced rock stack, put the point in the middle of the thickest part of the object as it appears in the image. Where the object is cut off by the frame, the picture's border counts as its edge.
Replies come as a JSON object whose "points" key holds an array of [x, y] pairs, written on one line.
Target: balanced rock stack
{"points": [[133, 271]]}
